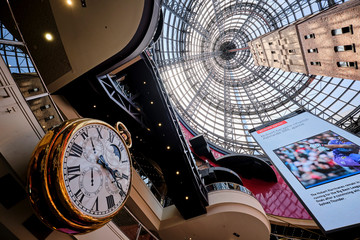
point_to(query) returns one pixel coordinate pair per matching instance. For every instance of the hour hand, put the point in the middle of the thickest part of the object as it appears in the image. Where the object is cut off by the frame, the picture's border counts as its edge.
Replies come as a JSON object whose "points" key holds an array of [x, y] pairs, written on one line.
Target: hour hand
{"points": [[105, 165], [102, 161], [114, 173]]}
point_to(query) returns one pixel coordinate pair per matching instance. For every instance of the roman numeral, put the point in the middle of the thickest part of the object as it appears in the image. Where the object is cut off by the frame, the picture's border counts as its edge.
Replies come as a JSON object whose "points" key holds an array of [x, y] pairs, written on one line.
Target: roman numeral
{"points": [[71, 172], [125, 176], [121, 147], [110, 201], [96, 205], [85, 134], [111, 137], [76, 150], [122, 193], [80, 195], [99, 132], [73, 169]]}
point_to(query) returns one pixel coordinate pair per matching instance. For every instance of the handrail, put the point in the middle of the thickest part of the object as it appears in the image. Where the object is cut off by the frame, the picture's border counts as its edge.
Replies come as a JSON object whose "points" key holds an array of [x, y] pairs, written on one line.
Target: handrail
{"points": [[228, 186]]}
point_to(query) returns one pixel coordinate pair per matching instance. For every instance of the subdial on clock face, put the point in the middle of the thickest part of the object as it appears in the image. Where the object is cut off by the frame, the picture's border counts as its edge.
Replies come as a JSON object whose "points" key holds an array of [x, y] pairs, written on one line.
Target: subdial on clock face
{"points": [[113, 155], [92, 149], [91, 181], [110, 185]]}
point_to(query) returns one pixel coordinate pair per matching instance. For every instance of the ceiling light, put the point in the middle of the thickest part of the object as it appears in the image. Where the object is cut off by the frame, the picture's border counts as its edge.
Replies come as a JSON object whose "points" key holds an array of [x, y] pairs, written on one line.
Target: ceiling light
{"points": [[151, 102], [168, 147], [144, 82], [160, 124], [186, 198], [94, 106], [69, 2], [177, 172], [49, 36]]}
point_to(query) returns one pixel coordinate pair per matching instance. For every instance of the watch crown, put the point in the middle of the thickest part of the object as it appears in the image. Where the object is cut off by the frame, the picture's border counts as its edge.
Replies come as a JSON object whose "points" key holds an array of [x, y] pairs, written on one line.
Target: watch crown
{"points": [[124, 132]]}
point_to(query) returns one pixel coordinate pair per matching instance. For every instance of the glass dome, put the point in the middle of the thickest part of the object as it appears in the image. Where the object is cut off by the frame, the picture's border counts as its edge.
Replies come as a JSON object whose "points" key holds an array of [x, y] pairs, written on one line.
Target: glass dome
{"points": [[209, 73]]}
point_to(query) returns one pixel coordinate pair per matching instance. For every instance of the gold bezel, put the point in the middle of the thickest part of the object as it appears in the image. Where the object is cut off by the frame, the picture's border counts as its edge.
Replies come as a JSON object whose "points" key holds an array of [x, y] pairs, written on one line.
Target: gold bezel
{"points": [[61, 182], [38, 189], [47, 161]]}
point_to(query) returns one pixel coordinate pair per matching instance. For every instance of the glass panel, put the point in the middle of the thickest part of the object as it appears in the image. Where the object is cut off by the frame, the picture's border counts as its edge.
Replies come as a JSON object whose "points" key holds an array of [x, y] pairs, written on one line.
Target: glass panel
{"points": [[221, 94], [127, 224]]}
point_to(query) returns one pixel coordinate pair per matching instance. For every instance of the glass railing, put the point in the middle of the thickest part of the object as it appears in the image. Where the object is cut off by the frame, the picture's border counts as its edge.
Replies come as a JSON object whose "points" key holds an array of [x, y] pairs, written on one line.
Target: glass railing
{"points": [[161, 197], [20, 64], [132, 227], [228, 186]]}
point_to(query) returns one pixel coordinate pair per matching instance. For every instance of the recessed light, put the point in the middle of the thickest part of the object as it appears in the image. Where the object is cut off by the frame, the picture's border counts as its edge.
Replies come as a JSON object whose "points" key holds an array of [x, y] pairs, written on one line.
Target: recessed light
{"points": [[177, 172], [69, 2], [186, 198], [151, 102], [49, 36], [144, 82], [94, 106], [168, 147]]}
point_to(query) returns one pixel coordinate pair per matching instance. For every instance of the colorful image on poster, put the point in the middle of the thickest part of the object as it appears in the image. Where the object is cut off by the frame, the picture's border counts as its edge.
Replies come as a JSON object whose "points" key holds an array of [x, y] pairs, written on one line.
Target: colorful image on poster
{"points": [[320, 159]]}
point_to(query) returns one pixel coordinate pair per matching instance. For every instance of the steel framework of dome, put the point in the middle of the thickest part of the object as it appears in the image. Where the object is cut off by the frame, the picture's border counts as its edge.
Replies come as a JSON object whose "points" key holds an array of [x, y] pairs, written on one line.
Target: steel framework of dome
{"points": [[208, 71]]}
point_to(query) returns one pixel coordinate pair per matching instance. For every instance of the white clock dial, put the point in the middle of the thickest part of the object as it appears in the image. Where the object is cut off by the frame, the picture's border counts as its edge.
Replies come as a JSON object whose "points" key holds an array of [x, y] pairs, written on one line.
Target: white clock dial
{"points": [[96, 170], [93, 148]]}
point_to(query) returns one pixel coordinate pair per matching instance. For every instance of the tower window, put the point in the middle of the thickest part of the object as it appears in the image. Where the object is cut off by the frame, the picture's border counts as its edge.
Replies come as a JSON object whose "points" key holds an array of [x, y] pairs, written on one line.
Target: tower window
{"points": [[315, 63], [270, 43], [312, 50], [273, 52], [343, 30], [344, 48], [276, 60], [347, 64], [291, 50], [312, 35]]}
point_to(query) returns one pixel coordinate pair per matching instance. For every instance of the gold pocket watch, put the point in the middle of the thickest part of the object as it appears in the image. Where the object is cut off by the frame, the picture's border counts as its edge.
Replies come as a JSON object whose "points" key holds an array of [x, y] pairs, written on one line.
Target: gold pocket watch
{"points": [[79, 176]]}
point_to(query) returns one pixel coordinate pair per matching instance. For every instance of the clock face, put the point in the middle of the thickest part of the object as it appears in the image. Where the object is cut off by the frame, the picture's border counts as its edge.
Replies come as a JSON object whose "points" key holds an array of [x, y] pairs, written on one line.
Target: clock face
{"points": [[96, 170]]}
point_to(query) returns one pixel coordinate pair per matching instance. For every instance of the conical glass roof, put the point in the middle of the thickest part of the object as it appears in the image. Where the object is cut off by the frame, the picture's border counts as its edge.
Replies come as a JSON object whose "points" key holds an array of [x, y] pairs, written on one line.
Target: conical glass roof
{"points": [[209, 73]]}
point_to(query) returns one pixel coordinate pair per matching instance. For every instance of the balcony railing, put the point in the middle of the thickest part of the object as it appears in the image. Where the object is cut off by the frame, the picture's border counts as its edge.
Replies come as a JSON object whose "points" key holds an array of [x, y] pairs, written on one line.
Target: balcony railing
{"points": [[228, 186]]}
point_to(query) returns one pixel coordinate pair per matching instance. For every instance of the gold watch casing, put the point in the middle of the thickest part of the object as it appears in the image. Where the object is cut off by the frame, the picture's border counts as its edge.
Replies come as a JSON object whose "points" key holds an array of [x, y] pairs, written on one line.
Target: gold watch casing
{"points": [[46, 185]]}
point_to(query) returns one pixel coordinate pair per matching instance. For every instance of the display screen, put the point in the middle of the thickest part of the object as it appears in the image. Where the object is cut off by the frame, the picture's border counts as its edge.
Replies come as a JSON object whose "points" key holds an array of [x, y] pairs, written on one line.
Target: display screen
{"points": [[321, 164], [321, 158]]}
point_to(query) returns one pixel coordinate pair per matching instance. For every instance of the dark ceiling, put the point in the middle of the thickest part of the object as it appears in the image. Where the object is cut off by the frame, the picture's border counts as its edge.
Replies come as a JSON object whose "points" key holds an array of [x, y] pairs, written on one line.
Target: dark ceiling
{"points": [[151, 140]]}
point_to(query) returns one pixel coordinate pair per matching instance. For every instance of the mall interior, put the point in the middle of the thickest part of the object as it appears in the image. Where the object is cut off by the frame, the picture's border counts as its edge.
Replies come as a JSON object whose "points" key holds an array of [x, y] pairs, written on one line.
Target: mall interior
{"points": [[189, 79]]}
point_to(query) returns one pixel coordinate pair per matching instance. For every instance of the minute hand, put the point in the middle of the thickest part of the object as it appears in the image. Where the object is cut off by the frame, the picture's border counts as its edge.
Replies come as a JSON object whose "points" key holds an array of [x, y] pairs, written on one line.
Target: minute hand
{"points": [[114, 173]]}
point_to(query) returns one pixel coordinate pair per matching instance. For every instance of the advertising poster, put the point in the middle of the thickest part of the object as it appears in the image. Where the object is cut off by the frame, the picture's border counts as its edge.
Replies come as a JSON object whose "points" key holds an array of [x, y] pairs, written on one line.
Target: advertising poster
{"points": [[321, 163]]}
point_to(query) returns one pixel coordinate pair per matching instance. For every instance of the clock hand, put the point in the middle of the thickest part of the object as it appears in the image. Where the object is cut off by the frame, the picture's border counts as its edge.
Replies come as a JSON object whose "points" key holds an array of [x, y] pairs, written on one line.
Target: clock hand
{"points": [[92, 176], [92, 143], [114, 173]]}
